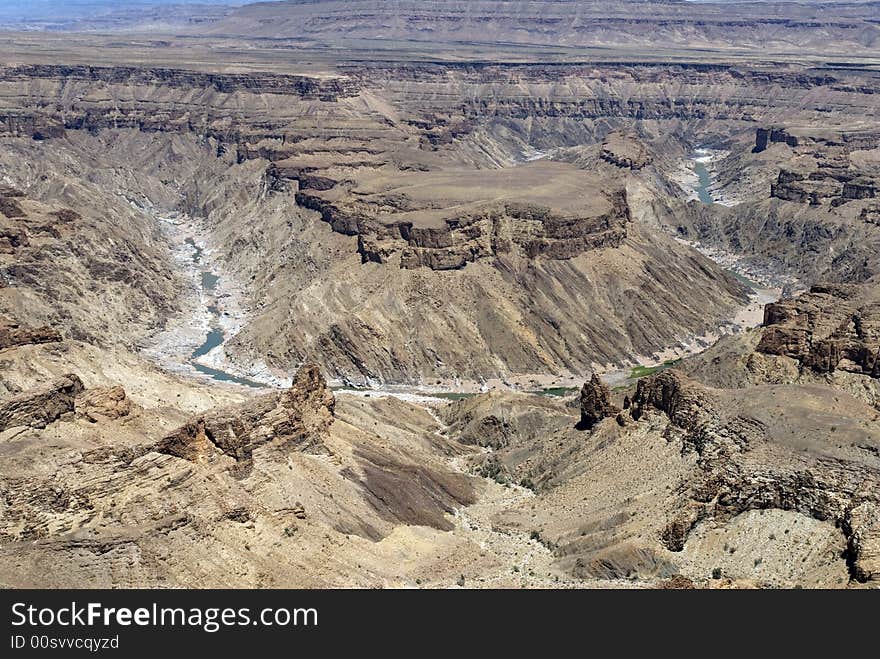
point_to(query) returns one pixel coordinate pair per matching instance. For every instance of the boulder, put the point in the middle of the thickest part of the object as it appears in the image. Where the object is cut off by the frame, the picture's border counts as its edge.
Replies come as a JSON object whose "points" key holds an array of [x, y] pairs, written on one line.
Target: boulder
{"points": [[103, 403]]}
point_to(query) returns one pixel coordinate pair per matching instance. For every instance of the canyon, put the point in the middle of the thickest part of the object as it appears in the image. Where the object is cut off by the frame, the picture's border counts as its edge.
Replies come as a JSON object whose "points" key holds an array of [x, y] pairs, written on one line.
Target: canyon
{"points": [[292, 296]]}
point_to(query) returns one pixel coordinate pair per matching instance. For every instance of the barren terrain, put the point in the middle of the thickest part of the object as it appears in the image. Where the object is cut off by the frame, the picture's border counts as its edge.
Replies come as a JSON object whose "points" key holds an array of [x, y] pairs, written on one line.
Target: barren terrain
{"points": [[397, 296]]}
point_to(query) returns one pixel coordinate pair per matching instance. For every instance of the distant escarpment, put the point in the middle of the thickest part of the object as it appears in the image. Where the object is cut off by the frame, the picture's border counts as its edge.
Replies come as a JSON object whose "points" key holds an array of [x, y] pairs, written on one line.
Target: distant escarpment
{"points": [[847, 27]]}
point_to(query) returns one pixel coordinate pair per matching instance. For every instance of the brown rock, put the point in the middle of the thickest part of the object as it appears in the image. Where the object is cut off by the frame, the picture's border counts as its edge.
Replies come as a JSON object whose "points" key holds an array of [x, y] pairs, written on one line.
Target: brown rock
{"points": [[39, 407], [741, 470], [103, 403], [864, 541], [12, 334], [11, 208], [299, 416], [595, 403], [677, 582], [12, 239], [831, 327]]}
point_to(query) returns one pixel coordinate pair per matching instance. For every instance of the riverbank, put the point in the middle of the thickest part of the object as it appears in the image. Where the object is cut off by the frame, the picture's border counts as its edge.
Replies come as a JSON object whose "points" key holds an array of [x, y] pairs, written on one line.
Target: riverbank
{"points": [[194, 344], [696, 177]]}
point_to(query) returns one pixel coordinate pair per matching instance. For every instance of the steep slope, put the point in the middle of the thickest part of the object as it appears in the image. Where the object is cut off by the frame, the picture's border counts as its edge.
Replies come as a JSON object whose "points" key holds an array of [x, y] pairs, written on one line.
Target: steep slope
{"points": [[551, 272], [768, 486]]}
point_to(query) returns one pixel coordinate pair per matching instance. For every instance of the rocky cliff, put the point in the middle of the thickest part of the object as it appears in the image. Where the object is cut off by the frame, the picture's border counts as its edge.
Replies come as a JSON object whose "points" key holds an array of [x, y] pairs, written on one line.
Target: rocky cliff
{"points": [[746, 464], [829, 328], [298, 417]]}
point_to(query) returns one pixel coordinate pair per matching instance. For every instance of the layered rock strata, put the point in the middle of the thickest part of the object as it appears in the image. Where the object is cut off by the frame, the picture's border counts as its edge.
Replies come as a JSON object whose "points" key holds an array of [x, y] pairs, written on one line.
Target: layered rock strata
{"points": [[832, 327], [297, 416], [746, 464]]}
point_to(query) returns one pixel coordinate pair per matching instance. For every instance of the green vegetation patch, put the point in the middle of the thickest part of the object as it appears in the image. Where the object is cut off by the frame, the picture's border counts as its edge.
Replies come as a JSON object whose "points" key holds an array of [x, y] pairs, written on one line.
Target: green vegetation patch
{"points": [[644, 371], [560, 392]]}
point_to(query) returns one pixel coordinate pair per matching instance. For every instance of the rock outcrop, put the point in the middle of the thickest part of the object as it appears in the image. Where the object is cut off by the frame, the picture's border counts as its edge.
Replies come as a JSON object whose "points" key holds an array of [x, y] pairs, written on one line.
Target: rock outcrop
{"points": [[863, 525], [296, 417], [37, 408], [832, 327], [103, 403], [764, 137], [595, 403], [747, 465], [823, 169], [14, 334]]}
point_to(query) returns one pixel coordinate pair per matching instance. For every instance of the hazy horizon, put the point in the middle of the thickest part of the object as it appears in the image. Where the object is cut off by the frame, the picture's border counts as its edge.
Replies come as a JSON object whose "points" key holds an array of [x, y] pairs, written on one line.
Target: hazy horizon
{"points": [[24, 10]]}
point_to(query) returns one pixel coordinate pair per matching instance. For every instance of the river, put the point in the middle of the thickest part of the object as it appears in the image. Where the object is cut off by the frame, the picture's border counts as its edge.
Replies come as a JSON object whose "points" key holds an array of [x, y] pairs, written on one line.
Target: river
{"points": [[216, 334], [704, 180], [194, 344]]}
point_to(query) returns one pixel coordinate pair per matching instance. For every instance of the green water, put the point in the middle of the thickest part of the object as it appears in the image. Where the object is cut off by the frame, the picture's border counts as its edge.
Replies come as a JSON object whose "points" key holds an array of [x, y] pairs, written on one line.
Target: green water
{"points": [[197, 254], [215, 338], [209, 280], [703, 183], [559, 392], [223, 376]]}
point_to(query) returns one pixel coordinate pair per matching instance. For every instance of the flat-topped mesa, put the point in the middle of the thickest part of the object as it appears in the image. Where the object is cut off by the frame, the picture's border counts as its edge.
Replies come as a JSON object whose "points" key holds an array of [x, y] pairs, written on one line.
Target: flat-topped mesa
{"points": [[832, 327], [444, 221], [533, 231], [298, 416], [625, 150]]}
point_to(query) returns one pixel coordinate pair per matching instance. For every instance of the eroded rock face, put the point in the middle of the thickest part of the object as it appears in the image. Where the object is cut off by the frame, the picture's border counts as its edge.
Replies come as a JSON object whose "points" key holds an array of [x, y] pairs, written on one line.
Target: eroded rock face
{"points": [[684, 401], [746, 463], [764, 137], [298, 416], [68, 266], [472, 227], [829, 328], [826, 168], [595, 403], [103, 403], [864, 542], [39, 407], [14, 334]]}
